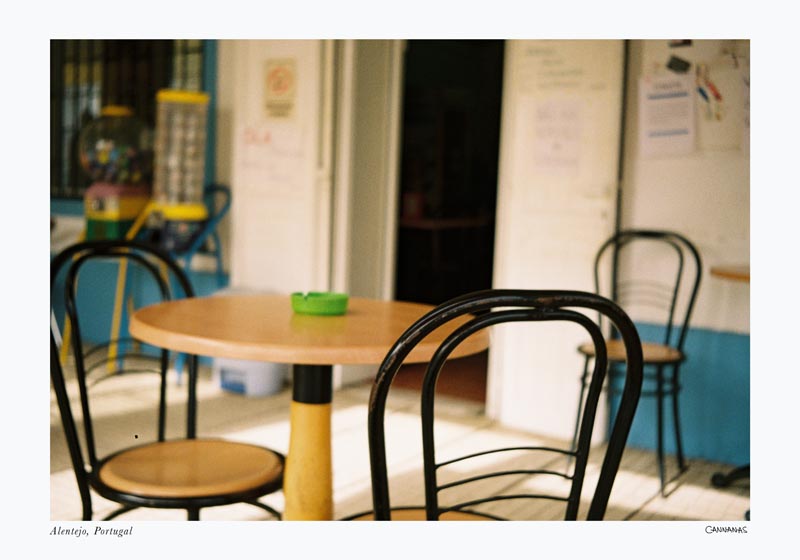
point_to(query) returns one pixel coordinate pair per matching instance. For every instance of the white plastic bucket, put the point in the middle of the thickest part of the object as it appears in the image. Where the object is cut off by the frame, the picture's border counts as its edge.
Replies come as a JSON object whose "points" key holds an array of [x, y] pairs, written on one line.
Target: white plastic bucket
{"points": [[250, 378], [247, 377]]}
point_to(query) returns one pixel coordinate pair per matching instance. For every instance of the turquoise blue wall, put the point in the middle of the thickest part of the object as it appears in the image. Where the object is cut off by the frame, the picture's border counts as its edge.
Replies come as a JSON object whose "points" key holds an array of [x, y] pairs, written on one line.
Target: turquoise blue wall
{"points": [[66, 207], [96, 295], [714, 400]]}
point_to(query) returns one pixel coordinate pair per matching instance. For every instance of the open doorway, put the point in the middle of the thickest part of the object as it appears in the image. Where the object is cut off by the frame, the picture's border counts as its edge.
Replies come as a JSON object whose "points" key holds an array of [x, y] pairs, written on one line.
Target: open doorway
{"points": [[448, 180]]}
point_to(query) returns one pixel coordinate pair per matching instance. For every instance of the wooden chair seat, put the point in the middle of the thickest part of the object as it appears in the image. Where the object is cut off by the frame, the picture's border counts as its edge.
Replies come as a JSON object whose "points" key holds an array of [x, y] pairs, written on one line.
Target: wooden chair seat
{"points": [[191, 468], [653, 353], [418, 514]]}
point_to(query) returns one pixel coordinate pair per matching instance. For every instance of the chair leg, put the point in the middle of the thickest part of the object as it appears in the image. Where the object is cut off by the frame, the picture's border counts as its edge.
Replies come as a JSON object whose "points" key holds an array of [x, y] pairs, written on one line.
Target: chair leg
{"points": [[660, 426], [275, 513], [86, 502], [676, 420], [580, 407], [118, 512]]}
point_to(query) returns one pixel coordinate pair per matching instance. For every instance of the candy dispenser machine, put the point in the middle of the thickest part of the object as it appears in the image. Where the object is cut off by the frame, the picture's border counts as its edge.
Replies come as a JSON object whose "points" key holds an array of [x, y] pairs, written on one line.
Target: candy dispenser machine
{"points": [[116, 151], [180, 151]]}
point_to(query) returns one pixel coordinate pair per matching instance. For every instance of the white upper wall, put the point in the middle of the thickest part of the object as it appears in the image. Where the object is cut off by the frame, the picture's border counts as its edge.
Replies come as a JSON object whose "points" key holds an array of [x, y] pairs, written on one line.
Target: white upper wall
{"points": [[280, 214], [704, 194], [559, 151]]}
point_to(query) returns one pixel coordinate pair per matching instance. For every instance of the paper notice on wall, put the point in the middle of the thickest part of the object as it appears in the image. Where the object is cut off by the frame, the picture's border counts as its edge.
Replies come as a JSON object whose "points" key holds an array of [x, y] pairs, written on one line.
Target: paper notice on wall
{"points": [[558, 129], [666, 115], [271, 157]]}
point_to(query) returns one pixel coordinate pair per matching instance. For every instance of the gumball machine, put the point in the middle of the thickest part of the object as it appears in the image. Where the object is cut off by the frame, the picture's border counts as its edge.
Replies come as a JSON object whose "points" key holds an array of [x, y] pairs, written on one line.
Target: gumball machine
{"points": [[116, 151], [180, 150]]}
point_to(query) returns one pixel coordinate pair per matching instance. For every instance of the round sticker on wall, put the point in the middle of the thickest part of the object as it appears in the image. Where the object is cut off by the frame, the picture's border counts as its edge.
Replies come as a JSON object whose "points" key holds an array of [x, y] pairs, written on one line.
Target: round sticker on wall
{"points": [[281, 80]]}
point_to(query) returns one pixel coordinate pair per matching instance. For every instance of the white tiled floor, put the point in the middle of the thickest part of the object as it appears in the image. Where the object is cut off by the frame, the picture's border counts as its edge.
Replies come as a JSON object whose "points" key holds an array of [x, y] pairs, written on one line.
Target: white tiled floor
{"points": [[264, 420]]}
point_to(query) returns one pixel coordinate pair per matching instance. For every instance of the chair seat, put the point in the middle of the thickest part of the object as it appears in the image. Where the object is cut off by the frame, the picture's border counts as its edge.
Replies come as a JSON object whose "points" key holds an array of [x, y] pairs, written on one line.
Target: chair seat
{"points": [[418, 514], [652, 353], [191, 468]]}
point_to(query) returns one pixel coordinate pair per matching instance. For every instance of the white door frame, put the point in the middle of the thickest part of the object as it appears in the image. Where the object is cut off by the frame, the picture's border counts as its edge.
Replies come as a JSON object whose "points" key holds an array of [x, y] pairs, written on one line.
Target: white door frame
{"points": [[366, 134], [346, 222]]}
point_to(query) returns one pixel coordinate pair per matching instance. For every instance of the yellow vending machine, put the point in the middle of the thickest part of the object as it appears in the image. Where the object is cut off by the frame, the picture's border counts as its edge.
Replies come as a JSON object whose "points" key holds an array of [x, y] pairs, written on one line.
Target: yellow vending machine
{"points": [[177, 209]]}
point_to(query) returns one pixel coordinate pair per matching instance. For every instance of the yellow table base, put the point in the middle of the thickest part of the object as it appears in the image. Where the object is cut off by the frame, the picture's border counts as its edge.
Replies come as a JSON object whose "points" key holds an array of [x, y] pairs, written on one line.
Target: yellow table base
{"points": [[308, 479]]}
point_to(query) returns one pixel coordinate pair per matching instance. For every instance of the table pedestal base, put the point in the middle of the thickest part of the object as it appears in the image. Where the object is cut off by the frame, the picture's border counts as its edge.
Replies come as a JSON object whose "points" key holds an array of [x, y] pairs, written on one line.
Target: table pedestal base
{"points": [[308, 476]]}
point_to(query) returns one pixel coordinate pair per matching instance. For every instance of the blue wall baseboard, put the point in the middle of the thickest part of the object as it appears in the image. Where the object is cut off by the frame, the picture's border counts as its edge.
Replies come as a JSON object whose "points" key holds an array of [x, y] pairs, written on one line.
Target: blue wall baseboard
{"points": [[714, 399]]}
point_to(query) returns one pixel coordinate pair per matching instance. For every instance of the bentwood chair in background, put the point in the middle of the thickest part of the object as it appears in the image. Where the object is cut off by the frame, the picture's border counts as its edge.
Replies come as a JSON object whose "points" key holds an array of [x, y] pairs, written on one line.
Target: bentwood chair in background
{"points": [[148, 467], [488, 308], [654, 275]]}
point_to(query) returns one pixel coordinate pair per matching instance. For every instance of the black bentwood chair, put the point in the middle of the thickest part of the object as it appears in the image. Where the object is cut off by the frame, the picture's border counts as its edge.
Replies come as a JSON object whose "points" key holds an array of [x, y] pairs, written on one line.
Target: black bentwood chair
{"points": [[488, 308], [146, 468], [657, 274]]}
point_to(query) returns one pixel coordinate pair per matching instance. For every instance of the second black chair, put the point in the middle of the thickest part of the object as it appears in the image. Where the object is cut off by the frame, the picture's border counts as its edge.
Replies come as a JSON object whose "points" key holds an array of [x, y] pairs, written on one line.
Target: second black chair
{"points": [[655, 275], [488, 308]]}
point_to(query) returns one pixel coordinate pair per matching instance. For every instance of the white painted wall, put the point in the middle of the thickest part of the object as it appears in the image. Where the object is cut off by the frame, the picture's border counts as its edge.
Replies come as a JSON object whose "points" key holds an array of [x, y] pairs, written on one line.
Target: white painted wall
{"points": [[280, 175], [286, 213], [550, 224], [314, 195], [704, 194], [556, 204]]}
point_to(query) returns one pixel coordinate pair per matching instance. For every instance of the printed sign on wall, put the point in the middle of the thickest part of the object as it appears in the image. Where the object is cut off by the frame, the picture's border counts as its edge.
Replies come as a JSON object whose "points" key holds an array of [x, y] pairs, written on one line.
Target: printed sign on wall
{"points": [[666, 115], [280, 88]]}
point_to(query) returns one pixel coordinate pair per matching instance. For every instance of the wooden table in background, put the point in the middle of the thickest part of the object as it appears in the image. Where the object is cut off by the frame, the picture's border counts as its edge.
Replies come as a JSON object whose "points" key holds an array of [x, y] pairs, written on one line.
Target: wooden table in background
{"points": [[736, 273], [265, 328]]}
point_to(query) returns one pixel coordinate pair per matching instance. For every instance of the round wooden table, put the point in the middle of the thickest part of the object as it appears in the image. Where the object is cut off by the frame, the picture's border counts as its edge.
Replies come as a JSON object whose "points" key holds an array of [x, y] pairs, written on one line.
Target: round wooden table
{"points": [[735, 272], [265, 328]]}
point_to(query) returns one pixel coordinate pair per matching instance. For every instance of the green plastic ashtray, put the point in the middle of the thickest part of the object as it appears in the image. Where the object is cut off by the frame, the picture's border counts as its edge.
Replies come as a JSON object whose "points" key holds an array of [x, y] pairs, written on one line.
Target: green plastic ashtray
{"points": [[319, 303]]}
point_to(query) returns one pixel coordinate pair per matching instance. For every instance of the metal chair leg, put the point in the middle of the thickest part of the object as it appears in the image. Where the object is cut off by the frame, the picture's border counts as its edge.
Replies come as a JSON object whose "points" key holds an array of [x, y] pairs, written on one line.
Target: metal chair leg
{"points": [[275, 513], [660, 426], [676, 419], [580, 403], [118, 512]]}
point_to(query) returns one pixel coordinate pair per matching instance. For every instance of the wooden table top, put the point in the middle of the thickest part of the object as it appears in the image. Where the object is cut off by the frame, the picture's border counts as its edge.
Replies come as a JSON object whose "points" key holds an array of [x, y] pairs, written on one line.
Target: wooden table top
{"points": [[265, 328], [739, 273]]}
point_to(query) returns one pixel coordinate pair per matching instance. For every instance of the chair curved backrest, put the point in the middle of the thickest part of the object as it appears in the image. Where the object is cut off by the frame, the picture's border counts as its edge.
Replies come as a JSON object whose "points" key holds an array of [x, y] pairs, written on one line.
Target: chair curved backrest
{"points": [[159, 267], [488, 308], [670, 297]]}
